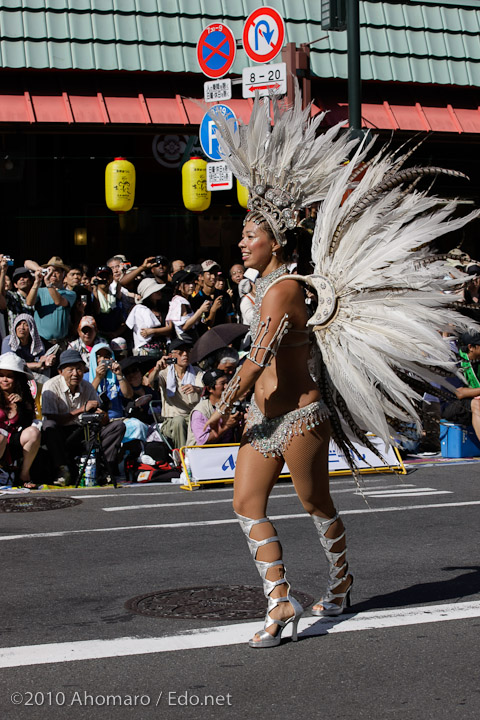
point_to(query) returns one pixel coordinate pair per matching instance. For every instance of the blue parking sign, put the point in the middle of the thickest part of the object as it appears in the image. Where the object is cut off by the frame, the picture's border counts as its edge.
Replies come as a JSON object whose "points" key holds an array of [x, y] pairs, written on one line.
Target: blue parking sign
{"points": [[208, 130]]}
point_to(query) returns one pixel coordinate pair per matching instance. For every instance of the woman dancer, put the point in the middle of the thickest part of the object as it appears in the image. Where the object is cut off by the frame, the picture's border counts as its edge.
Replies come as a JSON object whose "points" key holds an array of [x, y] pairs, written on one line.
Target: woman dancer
{"points": [[287, 421]]}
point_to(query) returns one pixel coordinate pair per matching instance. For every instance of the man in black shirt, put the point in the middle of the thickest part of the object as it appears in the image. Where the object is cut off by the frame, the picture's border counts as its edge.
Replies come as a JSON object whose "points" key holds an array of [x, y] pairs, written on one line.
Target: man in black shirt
{"points": [[221, 310]]}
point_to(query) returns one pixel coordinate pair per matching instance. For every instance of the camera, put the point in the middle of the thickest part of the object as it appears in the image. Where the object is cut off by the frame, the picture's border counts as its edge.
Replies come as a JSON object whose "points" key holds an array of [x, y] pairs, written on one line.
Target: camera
{"points": [[159, 260], [239, 406], [171, 361], [91, 419], [10, 260], [108, 362], [44, 271]]}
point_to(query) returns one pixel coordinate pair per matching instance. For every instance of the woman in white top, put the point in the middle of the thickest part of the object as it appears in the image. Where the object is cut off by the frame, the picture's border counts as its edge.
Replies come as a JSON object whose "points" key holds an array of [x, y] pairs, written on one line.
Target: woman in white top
{"points": [[149, 335], [180, 312]]}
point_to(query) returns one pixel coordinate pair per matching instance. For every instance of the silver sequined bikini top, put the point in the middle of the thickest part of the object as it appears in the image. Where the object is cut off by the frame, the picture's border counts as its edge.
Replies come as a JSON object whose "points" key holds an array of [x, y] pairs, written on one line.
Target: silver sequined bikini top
{"points": [[261, 287]]}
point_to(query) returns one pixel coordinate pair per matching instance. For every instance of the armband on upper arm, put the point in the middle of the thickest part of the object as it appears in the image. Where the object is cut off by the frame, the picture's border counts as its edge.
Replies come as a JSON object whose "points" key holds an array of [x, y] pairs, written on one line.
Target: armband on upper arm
{"points": [[270, 350]]}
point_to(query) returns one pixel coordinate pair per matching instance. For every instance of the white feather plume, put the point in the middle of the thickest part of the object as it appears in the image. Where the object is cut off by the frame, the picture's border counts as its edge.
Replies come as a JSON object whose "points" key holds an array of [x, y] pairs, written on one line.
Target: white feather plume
{"points": [[392, 304]]}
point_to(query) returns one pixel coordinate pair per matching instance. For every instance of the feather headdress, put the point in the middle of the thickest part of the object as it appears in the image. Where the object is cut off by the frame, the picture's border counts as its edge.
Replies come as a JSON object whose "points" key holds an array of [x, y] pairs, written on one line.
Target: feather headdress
{"points": [[285, 166]]}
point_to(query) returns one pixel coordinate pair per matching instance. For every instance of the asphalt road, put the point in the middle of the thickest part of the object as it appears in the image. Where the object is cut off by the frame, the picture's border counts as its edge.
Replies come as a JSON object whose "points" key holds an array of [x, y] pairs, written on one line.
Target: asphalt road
{"points": [[406, 649]]}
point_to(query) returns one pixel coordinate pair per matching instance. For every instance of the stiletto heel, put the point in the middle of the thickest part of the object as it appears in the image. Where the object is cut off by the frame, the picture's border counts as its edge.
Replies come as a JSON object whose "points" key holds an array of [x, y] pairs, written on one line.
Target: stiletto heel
{"points": [[332, 609], [265, 638]]}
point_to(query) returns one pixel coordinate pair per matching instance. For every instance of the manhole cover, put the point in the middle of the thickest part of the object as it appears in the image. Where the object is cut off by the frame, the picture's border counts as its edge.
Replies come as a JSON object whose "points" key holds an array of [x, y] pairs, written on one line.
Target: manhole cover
{"points": [[35, 504], [225, 602]]}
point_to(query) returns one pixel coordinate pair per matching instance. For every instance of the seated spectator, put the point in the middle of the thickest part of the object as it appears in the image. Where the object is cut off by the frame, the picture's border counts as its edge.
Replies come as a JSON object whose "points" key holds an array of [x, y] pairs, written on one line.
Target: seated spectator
{"points": [[119, 347], [226, 360], [27, 344], [107, 377], [460, 410], [180, 312], [109, 315], [180, 385], [19, 439], [150, 333], [64, 399], [134, 369], [52, 302], [15, 300], [214, 382], [87, 338]]}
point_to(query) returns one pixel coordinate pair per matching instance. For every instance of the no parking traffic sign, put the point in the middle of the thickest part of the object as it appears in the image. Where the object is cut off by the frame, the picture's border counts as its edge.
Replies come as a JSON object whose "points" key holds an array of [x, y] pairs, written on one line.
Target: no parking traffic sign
{"points": [[216, 49], [263, 34]]}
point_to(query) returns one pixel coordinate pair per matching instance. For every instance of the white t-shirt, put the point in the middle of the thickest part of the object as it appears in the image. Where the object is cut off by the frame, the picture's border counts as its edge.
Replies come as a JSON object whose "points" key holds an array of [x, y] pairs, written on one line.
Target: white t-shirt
{"points": [[175, 314], [141, 317]]}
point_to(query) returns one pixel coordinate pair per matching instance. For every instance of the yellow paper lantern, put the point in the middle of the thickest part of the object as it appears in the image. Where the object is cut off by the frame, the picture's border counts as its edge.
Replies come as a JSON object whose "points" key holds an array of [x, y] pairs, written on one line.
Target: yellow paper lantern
{"points": [[242, 195], [120, 185], [195, 195]]}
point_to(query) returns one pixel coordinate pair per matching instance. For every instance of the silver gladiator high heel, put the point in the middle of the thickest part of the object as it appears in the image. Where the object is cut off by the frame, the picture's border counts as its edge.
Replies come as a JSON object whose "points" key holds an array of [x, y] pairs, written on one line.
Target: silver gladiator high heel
{"points": [[266, 639], [332, 609]]}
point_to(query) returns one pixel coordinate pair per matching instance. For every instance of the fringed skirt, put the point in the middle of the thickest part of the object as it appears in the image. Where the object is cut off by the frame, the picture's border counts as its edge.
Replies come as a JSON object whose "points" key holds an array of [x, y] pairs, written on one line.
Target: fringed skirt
{"points": [[271, 436]]}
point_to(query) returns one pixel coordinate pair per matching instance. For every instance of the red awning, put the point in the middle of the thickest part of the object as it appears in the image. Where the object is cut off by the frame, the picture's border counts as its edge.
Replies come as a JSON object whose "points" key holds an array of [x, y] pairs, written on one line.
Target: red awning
{"points": [[140, 110]]}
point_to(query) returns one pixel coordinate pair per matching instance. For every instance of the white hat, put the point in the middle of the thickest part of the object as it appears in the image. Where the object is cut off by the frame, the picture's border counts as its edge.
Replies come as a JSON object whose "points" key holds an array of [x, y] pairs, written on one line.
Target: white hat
{"points": [[118, 343], [11, 361], [148, 286]]}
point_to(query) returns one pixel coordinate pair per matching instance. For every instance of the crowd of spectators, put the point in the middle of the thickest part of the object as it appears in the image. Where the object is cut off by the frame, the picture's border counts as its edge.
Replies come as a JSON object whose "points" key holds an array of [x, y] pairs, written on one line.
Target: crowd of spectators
{"points": [[122, 339], [111, 342]]}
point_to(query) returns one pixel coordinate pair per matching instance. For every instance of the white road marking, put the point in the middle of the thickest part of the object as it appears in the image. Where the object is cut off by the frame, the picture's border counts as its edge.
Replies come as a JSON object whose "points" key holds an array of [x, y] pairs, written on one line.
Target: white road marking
{"points": [[229, 500], [131, 490], [405, 493], [231, 521], [225, 635], [414, 493]]}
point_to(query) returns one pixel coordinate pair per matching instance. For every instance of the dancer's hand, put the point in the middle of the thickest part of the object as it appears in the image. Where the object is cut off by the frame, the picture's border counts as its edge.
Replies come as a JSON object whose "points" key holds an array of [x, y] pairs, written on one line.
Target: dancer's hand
{"points": [[213, 423]]}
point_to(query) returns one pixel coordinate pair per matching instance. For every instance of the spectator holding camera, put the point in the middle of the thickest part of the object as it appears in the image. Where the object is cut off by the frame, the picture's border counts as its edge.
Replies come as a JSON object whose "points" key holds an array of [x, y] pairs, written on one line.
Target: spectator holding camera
{"points": [[221, 310], [180, 385], [107, 377], [53, 302], [15, 300], [64, 399], [214, 382], [110, 317]]}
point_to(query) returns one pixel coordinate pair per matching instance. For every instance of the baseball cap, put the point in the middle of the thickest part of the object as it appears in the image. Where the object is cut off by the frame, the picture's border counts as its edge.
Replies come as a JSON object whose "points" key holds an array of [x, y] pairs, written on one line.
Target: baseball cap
{"points": [[470, 337], [87, 321], [183, 276], [177, 344], [211, 376], [207, 265], [20, 271]]}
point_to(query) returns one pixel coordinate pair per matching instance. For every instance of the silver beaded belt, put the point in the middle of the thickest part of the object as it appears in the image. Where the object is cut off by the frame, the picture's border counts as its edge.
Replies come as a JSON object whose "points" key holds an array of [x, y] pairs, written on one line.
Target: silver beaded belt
{"points": [[271, 436]]}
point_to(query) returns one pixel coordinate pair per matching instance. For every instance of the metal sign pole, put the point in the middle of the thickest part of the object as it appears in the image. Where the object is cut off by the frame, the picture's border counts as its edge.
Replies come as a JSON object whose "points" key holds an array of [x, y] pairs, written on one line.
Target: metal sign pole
{"points": [[354, 75]]}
